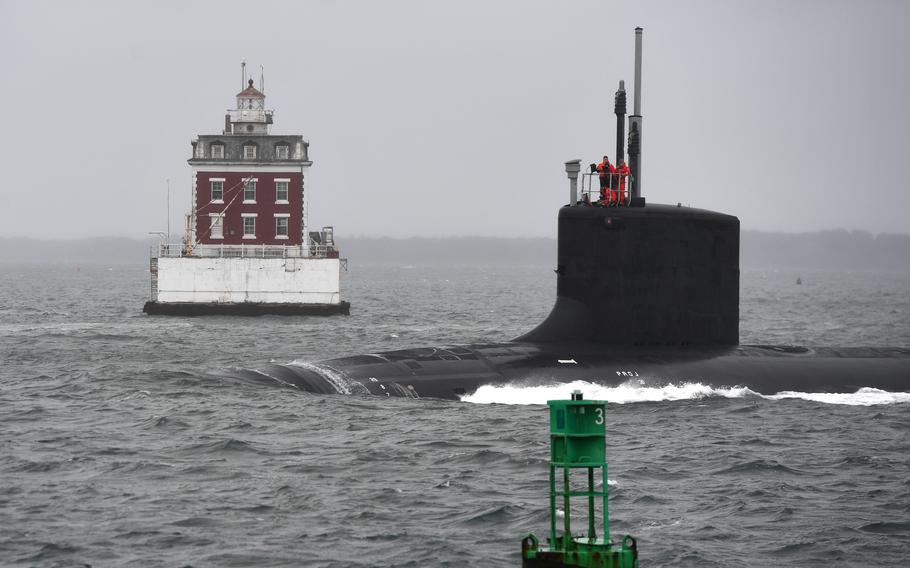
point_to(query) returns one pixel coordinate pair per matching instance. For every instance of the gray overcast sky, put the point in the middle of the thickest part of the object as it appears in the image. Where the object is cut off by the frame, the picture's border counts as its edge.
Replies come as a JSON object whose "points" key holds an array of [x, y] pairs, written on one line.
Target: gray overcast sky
{"points": [[455, 118]]}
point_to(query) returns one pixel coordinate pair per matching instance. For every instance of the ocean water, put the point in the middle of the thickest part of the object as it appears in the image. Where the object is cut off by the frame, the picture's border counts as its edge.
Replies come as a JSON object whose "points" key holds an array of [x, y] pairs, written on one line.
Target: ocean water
{"points": [[123, 441]]}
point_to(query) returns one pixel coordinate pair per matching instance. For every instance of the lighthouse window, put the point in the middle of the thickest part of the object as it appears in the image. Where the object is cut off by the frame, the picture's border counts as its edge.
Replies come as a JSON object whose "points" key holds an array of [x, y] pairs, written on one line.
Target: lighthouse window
{"points": [[281, 191], [217, 151], [249, 191], [216, 230], [249, 226], [281, 152], [281, 227], [249, 152], [218, 191]]}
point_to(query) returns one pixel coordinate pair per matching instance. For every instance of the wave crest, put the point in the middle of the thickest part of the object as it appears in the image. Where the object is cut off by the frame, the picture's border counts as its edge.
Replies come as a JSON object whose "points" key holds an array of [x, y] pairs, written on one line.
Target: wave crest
{"points": [[635, 391]]}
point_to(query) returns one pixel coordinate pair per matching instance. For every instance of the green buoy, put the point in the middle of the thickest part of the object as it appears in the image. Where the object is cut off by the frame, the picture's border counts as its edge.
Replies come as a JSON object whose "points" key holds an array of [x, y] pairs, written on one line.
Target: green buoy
{"points": [[577, 443]]}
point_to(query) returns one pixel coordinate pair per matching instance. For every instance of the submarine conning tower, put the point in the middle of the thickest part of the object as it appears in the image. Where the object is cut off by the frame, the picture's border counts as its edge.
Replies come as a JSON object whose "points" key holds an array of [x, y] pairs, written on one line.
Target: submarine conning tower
{"points": [[650, 275], [634, 273]]}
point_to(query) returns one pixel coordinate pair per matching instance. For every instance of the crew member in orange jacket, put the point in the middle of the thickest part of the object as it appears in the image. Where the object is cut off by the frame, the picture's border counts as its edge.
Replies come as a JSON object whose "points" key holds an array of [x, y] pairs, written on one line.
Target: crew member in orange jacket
{"points": [[622, 172], [605, 172]]}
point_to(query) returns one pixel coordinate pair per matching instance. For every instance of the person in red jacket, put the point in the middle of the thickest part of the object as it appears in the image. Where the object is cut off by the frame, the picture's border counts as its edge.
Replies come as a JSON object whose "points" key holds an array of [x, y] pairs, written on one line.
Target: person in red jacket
{"points": [[605, 171], [622, 172]]}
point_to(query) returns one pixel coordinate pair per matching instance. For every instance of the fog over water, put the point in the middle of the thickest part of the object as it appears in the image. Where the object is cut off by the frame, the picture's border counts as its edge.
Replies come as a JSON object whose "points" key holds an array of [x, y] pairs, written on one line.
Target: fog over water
{"points": [[835, 251], [454, 118]]}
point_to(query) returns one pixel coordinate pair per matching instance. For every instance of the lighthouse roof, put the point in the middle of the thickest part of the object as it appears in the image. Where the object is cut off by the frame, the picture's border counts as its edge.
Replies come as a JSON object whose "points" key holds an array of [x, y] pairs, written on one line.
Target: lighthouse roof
{"points": [[251, 92]]}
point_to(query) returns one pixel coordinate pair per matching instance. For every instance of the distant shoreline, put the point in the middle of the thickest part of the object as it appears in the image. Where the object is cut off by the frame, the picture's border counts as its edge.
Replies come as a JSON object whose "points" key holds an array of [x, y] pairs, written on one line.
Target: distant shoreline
{"points": [[836, 250]]}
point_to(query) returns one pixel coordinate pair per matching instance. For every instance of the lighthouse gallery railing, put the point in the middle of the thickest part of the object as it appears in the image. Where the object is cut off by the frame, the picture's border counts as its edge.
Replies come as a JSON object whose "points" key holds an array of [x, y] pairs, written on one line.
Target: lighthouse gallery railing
{"points": [[164, 250]]}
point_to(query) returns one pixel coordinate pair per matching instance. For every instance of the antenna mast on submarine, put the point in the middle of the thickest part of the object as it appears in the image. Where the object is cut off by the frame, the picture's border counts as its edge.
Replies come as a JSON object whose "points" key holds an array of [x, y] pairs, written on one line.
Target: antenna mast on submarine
{"points": [[635, 125], [619, 108]]}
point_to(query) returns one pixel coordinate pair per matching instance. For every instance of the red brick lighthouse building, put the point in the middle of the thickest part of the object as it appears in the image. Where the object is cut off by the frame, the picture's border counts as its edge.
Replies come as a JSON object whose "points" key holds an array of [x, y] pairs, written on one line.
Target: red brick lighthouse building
{"points": [[247, 250], [248, 184]]}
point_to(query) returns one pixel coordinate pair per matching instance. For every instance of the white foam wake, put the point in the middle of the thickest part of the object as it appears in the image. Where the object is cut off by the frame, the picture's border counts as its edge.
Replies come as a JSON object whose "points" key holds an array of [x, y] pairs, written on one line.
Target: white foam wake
{"points": [[865, 396], [634, 391], [338, 380]]}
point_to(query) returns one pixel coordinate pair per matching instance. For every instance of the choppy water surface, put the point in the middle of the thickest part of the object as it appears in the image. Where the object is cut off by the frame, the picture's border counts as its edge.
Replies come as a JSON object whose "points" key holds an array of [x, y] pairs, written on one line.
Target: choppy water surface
{"points": [[122, 442]]}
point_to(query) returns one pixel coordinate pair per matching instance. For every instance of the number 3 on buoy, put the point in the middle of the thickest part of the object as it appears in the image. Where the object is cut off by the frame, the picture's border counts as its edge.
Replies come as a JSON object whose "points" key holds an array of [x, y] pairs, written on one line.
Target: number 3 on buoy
{"points": [[600, 416]]}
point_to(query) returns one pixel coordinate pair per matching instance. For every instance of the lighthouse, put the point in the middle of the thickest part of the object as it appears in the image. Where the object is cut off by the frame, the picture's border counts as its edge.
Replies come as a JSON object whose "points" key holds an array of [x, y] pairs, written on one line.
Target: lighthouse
{"points": [[247, 249], [249, 184]]}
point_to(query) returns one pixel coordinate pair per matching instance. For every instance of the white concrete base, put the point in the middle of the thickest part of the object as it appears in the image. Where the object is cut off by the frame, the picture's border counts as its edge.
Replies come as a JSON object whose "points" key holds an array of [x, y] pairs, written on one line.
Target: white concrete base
{"points": [[257, 280]]}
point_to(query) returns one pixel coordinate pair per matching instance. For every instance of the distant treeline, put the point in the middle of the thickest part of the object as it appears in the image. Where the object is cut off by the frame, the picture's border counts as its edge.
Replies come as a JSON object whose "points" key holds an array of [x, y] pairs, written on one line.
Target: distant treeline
{"points": [[826, 250]]}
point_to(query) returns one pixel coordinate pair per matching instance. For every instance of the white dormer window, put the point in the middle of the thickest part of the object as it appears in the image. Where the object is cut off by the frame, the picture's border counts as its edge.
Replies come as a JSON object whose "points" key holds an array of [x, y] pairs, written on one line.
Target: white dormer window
{"points": [[281, 152], [217, 151], [249, 152]]}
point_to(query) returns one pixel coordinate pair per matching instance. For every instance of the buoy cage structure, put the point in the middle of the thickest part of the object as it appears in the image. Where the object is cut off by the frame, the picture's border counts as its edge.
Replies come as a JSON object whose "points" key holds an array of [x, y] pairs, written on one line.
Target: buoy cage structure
{"points": [[578, 445]]}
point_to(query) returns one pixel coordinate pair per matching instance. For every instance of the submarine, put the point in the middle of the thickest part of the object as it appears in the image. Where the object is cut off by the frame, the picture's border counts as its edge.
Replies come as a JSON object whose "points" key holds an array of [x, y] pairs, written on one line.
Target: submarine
{"points": [[645, 292]]}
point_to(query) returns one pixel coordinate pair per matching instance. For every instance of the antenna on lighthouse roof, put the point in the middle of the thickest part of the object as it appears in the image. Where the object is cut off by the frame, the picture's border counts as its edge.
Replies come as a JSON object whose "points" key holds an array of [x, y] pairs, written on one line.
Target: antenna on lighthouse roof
{"points": [[242, 74], [262, 78]]}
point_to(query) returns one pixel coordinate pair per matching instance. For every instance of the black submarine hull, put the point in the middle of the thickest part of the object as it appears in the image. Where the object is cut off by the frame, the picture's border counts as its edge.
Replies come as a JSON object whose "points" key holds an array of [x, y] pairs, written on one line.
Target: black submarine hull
{"points": [[455, 371], [647, 294]]}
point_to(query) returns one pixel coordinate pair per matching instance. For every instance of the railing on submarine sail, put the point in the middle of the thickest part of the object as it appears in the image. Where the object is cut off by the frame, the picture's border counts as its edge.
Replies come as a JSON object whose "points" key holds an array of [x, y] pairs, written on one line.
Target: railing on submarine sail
{"points": [[591, 192]]}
